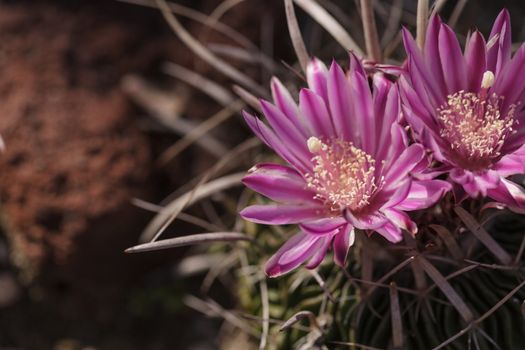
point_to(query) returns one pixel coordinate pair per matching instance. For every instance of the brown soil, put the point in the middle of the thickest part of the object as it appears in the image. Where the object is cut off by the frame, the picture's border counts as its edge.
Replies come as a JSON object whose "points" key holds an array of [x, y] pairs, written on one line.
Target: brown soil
{"points": [[75, 156], [74, 151]]}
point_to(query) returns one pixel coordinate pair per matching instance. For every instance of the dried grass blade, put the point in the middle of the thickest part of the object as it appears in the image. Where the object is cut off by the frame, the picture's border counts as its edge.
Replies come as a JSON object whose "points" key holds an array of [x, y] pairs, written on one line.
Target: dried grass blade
{"points": [[417, 270], [355, 345], [447, 238], [518, 257], [265, 314], [456, 13], [437, 6], [390, 273], [250, 99], [241, 54], [449, 292], [323, 286], [482, 318], [199, 131], [212, 309], [205, 54], [321, 16], [392, 26], [501, 302], [201, 18], [183, 241], [165, 108], [209, 87], [483, 236], [395, 314], [422, 21], [223, 7], [298, 317], [373, 48], [169, 213], [295, 35]]}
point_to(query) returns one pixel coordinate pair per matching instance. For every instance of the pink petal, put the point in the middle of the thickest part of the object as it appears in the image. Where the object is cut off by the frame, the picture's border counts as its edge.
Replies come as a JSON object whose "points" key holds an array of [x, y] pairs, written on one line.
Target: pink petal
{"points": [[452, 60], [394, 196], [281, 214], [316, 76], [510, 164], [279, 183], [391, 232], [284, 101], [475, 184], [418, 69], [339, 102], [401, 219], [424, 194], [368, 221], [508, 193], [363, 112], [385, 119], [307, 244], [323, 226], [500, 52], [286, 130], [402, 165], [318, 256], [431, 53], [342, 243], [313, 109], [265, 134], [475, 60]]}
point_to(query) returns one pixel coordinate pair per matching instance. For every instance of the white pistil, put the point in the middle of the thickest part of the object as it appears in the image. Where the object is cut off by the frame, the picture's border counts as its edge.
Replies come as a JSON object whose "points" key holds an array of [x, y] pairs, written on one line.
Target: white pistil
{"points": [[488, 80], [314, 144]]}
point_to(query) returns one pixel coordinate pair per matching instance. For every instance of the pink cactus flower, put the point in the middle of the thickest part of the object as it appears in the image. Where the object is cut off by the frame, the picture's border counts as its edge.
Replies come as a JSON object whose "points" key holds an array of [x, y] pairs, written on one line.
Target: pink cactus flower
{"points": [[350, 166], [468, 108]]}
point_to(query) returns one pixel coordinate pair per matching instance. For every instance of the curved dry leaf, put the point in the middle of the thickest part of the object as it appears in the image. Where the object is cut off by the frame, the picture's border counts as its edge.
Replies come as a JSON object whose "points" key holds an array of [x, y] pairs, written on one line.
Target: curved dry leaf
{"points": [[163, 219], [205, 54], [447, 238], [394, 21], [422, 21], [295, 35], [482, 317], [201, 18], [298, 317], [325, 20], [449, 292], [199, 131], [169, 213], [222, 8], [244, 55], [166, 110], [456, 13], [483, 236], [183, 241], [395, 314], [250, 99], [209, 87], [373, 48], [213, 309], [437, 6], [265, 314]]}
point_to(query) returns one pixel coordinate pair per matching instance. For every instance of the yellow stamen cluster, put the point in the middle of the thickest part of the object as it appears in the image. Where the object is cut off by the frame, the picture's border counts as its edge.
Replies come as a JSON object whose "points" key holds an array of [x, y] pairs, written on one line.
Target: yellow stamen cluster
{"points": [[473, 125], [342, 175]]}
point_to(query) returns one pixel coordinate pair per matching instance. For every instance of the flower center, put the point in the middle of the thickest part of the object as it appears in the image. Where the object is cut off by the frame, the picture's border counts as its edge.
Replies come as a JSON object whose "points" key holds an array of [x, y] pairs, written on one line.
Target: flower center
{"points": [[342, 174], [474, 127]]}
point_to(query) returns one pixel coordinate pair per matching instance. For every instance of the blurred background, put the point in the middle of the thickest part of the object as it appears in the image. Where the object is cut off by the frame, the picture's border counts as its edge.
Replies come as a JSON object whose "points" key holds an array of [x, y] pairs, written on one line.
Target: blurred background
{"points": [[99, 106]]}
